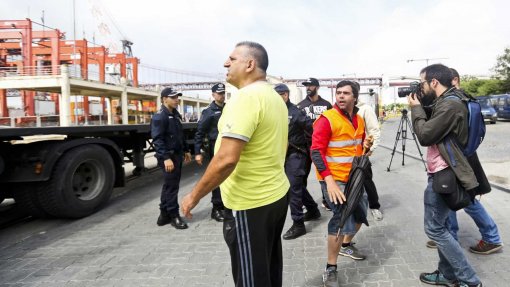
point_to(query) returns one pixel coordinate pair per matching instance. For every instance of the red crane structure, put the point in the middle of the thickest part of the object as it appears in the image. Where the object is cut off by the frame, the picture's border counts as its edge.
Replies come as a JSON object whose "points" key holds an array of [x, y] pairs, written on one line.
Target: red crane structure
{"points": [[41, 52]]}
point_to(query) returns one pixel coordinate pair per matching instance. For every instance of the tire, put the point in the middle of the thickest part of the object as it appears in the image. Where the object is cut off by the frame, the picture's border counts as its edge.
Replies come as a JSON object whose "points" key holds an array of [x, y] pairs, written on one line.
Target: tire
{"points": [[81, 183], [25, 196]]}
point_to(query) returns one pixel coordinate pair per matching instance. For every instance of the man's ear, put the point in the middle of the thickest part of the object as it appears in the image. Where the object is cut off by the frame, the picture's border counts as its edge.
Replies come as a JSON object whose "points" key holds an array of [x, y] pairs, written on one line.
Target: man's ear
{"points": [[251, 65]]}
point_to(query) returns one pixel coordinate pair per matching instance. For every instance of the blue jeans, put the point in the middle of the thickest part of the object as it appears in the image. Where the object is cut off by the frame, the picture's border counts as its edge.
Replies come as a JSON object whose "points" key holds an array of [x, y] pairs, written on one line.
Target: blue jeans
{"points": [[334, 223], [453, 263], [483, 220]]}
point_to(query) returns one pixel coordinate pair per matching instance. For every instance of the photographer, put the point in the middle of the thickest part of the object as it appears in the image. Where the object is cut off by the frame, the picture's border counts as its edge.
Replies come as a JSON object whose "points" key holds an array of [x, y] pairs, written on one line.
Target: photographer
{"points": [[491, 240], [447, 118]]}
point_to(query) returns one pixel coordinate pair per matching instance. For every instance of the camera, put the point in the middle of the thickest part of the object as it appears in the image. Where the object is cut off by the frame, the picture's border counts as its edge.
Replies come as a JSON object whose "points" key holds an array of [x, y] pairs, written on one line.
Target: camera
{"points": [[414, 88]]}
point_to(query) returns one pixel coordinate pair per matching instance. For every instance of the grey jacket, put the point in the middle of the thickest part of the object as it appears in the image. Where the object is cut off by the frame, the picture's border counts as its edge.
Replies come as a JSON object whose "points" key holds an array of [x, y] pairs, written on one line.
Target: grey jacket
{"points": [[449, 118]]}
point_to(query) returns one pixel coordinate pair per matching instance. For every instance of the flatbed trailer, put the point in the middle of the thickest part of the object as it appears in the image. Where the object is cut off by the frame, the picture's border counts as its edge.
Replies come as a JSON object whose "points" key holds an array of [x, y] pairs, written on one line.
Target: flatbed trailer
{"points": [[70, 172]]}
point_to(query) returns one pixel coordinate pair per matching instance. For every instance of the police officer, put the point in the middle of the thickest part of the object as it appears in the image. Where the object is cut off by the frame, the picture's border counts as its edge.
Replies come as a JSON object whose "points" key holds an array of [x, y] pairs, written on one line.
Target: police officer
{"points": [[313, 105], [208, 128], [295, 162], [171, 149]]}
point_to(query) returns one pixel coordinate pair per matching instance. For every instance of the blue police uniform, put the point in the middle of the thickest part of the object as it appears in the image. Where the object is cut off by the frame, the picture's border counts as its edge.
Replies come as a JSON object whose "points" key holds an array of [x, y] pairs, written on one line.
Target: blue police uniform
{"points": [[208, 128], [169, 143], [295, 163]]}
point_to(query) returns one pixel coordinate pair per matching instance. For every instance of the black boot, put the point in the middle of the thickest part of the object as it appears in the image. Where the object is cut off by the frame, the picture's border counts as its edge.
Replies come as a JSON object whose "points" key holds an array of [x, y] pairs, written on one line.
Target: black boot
{"points": [[177, 222], [312, 214], [217, 214], [163, 218], [297, 229]]}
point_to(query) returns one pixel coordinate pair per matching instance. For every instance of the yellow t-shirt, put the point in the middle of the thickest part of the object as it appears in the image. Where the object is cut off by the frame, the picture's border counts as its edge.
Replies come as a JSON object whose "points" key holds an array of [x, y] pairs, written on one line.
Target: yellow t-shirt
{"points": [[257, 115]]}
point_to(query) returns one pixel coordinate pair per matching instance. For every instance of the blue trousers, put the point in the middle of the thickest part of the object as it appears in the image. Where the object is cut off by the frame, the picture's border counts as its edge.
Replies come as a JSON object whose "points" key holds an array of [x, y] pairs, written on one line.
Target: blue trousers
{"points": [[295, 169], [170, 186], [453, 263], [487, 227]]}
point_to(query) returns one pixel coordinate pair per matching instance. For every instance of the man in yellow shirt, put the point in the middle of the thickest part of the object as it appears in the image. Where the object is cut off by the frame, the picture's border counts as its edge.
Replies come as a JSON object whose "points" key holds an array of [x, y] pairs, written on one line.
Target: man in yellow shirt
{"points": [[249, 165]]}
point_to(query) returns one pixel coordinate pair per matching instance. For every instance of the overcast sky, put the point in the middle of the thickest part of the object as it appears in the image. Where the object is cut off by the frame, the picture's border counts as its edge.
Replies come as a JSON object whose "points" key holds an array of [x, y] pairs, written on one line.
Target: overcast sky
{"points": [[328, 38], [303, 38]]}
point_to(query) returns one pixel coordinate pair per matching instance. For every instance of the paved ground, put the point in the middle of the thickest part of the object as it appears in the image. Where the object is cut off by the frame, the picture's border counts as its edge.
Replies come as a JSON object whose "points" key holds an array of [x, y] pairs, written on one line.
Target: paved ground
{"points": [[122, 246]]}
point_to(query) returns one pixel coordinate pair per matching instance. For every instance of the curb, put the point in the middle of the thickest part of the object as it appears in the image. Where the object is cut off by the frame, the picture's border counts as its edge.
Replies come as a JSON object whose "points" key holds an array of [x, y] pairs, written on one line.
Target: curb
{"points": [[493, 185]]}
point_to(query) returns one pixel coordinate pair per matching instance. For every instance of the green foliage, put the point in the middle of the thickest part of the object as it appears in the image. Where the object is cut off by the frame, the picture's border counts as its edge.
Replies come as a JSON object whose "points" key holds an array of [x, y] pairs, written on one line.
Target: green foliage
{"points": [[502, 68], [396, 106], [478, 87]]}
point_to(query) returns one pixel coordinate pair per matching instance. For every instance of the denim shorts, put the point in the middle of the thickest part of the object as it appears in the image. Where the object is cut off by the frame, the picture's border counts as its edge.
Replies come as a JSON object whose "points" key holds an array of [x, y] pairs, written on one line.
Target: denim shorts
{"points": [[334, 223]]}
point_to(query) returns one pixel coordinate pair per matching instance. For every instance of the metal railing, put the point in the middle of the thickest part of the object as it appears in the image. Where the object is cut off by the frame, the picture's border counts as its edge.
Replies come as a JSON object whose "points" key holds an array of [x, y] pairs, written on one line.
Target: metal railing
{"points": [[54, 121], [29, 71]]}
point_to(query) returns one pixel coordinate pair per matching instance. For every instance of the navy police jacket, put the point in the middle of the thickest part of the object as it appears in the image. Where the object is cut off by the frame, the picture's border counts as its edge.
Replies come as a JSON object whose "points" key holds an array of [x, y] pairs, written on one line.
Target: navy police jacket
{"points": [[299, 124], [208, 125], [167, 135]]}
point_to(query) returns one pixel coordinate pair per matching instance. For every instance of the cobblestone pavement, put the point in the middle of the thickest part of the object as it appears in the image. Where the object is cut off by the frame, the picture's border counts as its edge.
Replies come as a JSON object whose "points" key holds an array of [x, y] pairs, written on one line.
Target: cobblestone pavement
{"points": [[122, 246]]}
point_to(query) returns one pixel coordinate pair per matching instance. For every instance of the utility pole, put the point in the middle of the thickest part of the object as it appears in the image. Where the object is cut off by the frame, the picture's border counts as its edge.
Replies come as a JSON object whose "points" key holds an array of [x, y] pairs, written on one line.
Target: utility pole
{"points": [[426, 60]]}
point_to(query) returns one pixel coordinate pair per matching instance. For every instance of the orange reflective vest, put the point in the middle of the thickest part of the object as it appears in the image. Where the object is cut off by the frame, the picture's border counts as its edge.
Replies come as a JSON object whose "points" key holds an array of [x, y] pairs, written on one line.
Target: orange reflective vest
{"points": [[344, 144]]}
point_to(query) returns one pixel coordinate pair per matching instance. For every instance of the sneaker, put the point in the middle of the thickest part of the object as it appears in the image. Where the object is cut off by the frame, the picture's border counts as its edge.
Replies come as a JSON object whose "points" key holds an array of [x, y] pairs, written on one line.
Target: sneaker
{"points": [[377, 214], [485, 248], [352, 252], [436, 278], [325, 205], [431, 244], [312, 215], [462, 284], [329, 277]]}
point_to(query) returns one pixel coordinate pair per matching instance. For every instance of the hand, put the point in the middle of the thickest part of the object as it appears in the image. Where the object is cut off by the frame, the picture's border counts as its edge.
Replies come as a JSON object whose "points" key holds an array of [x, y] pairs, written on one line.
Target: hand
{"points": [[187, 204], [412, 99], [368, 142], [187, 157], [335, 194], [169, 165], [198, 159]]}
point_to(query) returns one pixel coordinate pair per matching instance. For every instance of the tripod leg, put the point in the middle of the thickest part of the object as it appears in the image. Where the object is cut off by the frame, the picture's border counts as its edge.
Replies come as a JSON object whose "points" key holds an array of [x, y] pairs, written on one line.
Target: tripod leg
{"points": [[404, 137], [399, 130], [417, 145]]}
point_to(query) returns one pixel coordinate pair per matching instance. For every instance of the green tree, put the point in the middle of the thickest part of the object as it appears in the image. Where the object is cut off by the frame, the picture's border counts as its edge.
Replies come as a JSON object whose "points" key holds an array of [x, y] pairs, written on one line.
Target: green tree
{"points": [[490, 87], [478, 87], [502, 69], [471, 86]]}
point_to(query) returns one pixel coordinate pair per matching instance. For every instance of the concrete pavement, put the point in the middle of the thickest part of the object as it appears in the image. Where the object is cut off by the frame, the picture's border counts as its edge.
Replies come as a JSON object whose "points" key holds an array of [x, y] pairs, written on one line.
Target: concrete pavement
{"points": [[122, 246]]}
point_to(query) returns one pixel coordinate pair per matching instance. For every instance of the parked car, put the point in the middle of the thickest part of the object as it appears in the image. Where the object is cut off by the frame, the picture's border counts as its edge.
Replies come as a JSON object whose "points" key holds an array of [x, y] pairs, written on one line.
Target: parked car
{"points": [[502, 105], [488, 111]]}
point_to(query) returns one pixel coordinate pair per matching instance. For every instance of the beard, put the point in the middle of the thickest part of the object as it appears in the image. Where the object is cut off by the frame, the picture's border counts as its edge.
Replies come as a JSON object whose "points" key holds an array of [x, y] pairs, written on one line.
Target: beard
{"points": [[428, 98], [311, 93]]}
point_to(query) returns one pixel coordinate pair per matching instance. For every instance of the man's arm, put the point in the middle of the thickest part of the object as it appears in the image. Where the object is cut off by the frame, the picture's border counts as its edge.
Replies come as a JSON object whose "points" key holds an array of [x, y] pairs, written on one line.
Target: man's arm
{"points": [[372, 128], [433, 130], [220, 167], [320, 140]]}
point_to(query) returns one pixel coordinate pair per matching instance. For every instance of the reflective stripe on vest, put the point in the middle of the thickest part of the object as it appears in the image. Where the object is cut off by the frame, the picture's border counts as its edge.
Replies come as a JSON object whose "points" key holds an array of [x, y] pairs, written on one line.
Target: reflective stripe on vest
{"points": [[340, 159], [345, 143]]}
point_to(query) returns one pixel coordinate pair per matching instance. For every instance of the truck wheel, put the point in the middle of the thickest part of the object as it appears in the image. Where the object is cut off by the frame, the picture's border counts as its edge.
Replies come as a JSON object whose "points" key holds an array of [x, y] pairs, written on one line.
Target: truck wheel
{"points": [[25, 196], [81, 182]]}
